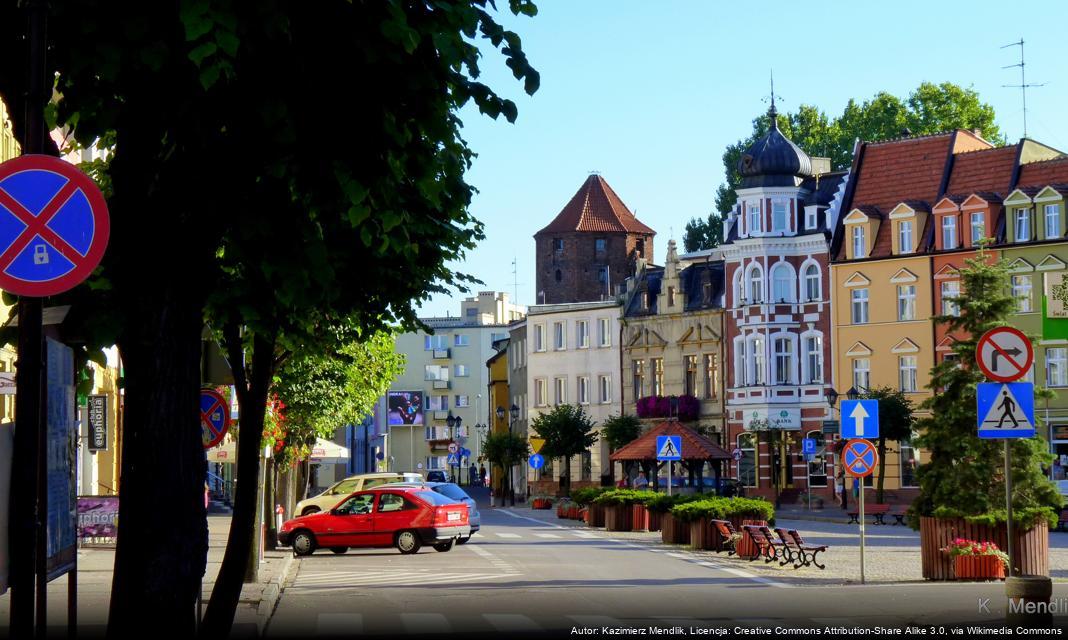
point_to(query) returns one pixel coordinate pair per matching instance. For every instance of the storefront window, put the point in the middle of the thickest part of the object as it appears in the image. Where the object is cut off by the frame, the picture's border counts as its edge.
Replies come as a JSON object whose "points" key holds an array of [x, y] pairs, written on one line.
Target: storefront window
{"points": [[910, 459], [747, 465], [817, 466]]}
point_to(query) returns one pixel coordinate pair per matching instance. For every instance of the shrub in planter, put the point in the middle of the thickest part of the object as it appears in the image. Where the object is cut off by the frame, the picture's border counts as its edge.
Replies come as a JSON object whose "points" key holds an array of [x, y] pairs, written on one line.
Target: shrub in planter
{"points": [[586, 495]]}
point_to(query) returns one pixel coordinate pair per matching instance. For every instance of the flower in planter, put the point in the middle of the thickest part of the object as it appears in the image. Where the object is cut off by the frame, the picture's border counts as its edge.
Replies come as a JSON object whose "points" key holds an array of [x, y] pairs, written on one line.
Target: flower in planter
{"points": [[965, 547]]}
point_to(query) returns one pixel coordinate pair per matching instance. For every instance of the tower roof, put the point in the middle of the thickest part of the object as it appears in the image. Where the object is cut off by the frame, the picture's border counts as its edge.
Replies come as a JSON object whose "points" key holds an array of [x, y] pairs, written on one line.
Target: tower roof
{"points": [[773, 160], [596, 207]]}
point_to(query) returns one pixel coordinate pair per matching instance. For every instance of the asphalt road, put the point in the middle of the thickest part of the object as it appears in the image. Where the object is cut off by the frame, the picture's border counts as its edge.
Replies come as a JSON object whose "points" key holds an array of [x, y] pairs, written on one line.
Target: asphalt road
{"points": [[525, 577]]}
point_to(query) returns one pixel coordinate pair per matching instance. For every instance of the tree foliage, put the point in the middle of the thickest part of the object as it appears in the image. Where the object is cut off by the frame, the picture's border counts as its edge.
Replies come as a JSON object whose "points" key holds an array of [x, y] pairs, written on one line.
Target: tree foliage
{"points": [[703, 234], [620, 430], [505, 449], [568, 432], [964, 475], [929, 109], [895, 424]]}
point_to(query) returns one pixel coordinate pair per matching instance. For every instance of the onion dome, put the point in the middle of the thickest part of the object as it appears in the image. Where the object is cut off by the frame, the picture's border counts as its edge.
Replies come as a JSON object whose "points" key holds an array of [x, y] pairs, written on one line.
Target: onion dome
{"points": [[773, 160]]}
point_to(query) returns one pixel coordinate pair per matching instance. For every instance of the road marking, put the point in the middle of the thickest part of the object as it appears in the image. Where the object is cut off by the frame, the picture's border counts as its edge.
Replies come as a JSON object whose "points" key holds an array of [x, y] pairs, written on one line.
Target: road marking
{"points": [[511, 622], [477, 535], [509, 535], [588, 536], [425, 623], [339, 623], [479, 550], [547, 535], [749, 576], [541, 522], [677, 555], [596, 621]]}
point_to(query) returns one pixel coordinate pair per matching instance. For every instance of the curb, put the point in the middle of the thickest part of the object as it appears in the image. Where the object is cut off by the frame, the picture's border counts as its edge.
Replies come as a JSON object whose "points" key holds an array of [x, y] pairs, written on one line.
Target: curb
{"points": [[271, 593]]}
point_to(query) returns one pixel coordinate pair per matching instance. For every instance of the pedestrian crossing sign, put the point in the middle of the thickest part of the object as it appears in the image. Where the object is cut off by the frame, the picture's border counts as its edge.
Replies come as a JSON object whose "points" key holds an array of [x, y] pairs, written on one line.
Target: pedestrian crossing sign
{"points": [[1006, 410], [669, 447]]}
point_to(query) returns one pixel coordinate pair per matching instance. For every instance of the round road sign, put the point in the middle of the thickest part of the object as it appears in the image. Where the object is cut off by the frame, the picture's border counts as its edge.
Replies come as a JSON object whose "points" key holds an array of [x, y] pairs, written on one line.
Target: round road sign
{"points": [[860, 458], [453, 447], [54, 226], [214, 417], [537, 461], [1004, 354]]}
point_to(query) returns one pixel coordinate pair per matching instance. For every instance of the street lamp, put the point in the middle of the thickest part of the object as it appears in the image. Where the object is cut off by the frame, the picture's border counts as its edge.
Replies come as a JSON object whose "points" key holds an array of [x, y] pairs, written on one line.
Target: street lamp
{"points": [[454, 423], [852, 394]]}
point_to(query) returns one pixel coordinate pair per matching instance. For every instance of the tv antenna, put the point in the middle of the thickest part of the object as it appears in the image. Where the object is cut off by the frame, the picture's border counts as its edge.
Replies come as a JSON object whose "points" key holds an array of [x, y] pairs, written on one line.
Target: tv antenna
{"points": [[1023, 86], [515, 280]]}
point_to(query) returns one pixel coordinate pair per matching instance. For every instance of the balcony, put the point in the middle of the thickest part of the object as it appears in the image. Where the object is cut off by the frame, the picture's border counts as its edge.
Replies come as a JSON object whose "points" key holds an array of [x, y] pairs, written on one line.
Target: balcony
{"points": [[442, 384], [439, 444], [441, 415], [442, 354]]}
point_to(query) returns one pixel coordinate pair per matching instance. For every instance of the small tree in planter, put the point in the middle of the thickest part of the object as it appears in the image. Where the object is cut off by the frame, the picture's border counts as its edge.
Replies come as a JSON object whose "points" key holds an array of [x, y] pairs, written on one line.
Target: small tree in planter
{"points": [[568, 432]]}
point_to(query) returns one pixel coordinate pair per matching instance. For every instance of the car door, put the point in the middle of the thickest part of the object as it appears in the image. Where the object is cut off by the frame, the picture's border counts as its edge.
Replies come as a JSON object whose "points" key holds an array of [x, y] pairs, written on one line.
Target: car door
{"points": [[351, 523], [393, 513]]}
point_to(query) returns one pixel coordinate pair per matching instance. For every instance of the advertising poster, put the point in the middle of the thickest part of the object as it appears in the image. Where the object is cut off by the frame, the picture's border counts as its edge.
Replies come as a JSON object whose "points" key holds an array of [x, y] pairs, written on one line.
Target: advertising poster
{"points": [[98, 517], [98, 423], [405, 408], [61, 459]]}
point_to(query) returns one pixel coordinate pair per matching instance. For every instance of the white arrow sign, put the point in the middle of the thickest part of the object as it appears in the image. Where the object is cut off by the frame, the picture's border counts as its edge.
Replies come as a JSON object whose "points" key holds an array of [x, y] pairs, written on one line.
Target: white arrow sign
{"points": [[859, 414]]}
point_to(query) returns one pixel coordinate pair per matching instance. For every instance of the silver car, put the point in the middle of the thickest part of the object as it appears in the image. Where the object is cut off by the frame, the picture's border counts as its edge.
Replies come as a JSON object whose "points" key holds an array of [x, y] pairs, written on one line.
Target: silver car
{"points": [[453, 491]]}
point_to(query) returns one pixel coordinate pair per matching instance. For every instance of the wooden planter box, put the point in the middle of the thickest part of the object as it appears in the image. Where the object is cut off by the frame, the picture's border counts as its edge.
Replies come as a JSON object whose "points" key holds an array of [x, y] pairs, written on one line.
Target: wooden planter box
{"points": [[654, 520], [574, 513], [596, 515], [978, 568], [672, 531], [617, 517], [561, 510], [747, 548], [1031, 547], [701, 535], [541, 503], [639, 517]]}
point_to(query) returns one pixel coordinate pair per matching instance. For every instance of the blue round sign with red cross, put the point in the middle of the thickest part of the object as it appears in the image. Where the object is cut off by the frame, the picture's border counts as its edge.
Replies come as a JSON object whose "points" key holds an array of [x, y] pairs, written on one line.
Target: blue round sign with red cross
{"points": [[859, 458], [54, 226], [214, 417]]}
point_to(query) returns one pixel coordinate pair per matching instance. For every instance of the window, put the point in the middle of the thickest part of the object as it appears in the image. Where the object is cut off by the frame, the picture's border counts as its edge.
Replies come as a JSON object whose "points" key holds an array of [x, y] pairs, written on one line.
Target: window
{"points": [[862, 374], [605, 332], [756, 352], [472, 312], [638, 367], [906, 302], [671, 296], [859, 246], [949, 232], [756, 286], [560, 340], [604, 383], [601, 245], [1021, 290], [910, 460], [540, 392], [1053, 221], [437, 403], [357, 505], [463, 401], [1022, 225], [741, 365], [584, 390], [435, 343], [812, 282], [462, 372], [691, 376], [978, 229], [559, 277], [782, 284], [813, 359], [739, 288], [778, 216], [754, 219], [860, 306], [950, 292], [906, 366], [582, 334], [1057, 367], [747, 463], [435, 462], [434, 372], [461, 340], [558, 245], [560, 396], [784, 361], [602, 274], [658, 376], [904, 236], [539, 337], [810, 219], [817, 466], [711, 377]]}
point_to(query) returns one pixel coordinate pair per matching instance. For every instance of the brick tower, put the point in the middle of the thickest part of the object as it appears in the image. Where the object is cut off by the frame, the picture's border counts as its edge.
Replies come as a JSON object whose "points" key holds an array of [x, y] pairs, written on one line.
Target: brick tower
{"points": [[588, 250]]}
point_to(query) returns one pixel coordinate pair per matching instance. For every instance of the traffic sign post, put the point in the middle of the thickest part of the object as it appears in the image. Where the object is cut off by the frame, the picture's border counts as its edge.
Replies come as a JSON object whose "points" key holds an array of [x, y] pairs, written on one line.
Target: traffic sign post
{"points": [[808, 448], [536, 444], [669, 449], [860, 458], [860, 419], [1004, 354], [537, 461], [1005, 410]]}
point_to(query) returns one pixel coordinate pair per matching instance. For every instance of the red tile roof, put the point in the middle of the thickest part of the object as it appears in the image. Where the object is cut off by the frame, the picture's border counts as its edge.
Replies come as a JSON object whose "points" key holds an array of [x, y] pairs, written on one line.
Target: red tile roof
{"points": [[694, 445], [909, 169], [1040, 174], [596, 207], [985, 170]]}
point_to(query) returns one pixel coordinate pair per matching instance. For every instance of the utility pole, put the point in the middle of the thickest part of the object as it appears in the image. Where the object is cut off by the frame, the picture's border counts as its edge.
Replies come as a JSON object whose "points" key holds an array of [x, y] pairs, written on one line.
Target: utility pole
{"points": [[1023, 86]]}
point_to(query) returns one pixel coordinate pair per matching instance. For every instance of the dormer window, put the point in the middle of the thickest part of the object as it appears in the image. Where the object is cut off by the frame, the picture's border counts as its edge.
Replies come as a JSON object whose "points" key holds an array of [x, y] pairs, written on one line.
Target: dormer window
{"points": [[904, 236], [810, 220], [778, 216], [1022, 225], [949, 232], [754, 219], [859, 245], [978, 228]]}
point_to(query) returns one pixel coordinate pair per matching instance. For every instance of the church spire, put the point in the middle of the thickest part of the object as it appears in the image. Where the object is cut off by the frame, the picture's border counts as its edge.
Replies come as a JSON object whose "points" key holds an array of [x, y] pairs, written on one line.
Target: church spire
{"points": [[772, 111]]}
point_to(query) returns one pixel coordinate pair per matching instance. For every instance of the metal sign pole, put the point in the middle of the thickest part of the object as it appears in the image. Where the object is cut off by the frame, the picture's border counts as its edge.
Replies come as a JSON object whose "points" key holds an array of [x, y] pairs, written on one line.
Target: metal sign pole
{"points": [[670, 463], [861, 502], [1008, 508]]}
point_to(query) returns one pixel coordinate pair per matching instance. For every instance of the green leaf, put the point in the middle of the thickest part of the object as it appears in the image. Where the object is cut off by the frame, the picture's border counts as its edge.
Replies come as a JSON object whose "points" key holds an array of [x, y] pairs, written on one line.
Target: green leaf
{"points": [[202, 51]]}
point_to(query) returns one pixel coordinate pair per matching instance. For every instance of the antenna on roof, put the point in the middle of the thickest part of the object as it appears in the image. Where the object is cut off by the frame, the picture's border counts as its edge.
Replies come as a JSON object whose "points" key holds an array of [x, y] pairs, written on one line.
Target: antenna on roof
{"points": [[772, 111], [1023, 86], [515, 279]]}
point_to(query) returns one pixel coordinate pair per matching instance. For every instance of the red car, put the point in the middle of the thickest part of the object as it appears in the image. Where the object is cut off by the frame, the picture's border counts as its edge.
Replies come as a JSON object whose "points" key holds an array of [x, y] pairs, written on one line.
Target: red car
{"points": [[402, 517]]}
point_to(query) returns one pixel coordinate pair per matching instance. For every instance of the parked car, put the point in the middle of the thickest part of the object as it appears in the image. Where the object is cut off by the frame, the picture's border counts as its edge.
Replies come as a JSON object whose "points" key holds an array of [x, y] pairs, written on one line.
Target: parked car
{"points": [[401, 517], [436, 475], [338, 490], [451, 490]]}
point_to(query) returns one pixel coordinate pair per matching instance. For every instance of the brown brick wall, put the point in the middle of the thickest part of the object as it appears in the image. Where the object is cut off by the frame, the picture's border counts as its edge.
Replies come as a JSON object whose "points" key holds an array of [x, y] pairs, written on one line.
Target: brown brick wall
{"points": [[579, 264]]}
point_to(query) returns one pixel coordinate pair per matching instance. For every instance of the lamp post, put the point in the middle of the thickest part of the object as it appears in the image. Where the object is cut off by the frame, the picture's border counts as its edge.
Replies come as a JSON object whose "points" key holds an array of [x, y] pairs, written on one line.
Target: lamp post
{"points": [[482, 429], [454, 423], [513, 415]]}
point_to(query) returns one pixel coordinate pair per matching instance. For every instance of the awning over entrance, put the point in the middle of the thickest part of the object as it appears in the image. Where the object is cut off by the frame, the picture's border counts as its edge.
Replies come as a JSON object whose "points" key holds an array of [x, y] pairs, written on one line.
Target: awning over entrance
{"points": [[324, 452], [694, 445]]}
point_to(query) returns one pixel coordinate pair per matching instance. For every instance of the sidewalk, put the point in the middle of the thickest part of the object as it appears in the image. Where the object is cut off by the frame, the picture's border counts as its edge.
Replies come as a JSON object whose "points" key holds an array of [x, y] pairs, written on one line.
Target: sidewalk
{"points": [[95, 566]]}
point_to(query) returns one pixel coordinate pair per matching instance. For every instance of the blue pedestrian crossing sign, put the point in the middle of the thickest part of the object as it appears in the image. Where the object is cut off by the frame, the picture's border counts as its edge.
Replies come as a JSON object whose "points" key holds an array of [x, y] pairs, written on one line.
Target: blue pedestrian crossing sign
{"points": [[537, 461], [669, 447], [808, 446], [454, 459], [1006, 410], [860, 419]]}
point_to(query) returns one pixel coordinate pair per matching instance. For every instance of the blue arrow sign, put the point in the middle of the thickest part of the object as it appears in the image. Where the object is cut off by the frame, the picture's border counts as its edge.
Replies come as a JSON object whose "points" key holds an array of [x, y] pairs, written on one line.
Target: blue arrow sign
{"points": [[537, 461], [669, 447], [808, 446], [860, 419], [1006, 410]]}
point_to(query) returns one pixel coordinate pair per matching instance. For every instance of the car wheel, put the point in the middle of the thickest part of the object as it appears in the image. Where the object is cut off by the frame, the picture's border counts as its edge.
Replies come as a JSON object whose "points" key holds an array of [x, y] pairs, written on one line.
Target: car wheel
{"points": [[309, 511], [339, 550], [407, 542], [463, 540], [444, 546], [303, 543]]}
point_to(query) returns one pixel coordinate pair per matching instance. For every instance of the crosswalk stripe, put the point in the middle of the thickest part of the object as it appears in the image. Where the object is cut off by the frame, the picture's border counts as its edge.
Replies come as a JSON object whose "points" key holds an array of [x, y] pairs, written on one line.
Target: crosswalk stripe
{"points": [[425, 623], [583, 534], [339, 623], [508, 535], [677, 555], [511, 622], [596, 621], [477, 535], [547, 535]]}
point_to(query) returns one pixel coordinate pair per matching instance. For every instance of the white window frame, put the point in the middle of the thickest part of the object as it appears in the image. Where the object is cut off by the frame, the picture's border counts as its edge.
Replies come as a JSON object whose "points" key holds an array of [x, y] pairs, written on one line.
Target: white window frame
{"points": [[949, 232], [908, 380], [783, 279], [583, 389], [605, 328], [463, 400], [780, 213], [1053, 212], [906, 302], [604, 386], [560, 336], [860, 245], [1022, 285], [1056, 367], [812, 357], [978, 228], [754, 275], [740, 362], [862, 374], [559, 391], [436, 342], [857, 302], [582, 334], [757, 360], [637, 378], [952, 288], [1021, 224], [462, 371], [812, 275], [541, 392], [539, 338], [784, 355], [441, 404], [753, 216], [904, 236], [656, 367], [811, 220]]}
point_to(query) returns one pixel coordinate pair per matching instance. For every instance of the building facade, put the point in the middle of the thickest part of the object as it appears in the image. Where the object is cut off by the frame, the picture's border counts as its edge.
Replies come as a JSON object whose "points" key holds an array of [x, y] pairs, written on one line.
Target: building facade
{"points": [[590, 248], [517, 385]]}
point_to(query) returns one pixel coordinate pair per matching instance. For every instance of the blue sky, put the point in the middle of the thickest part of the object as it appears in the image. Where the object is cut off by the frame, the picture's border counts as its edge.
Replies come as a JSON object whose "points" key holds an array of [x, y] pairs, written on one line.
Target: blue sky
{"points": [[650, 93]]}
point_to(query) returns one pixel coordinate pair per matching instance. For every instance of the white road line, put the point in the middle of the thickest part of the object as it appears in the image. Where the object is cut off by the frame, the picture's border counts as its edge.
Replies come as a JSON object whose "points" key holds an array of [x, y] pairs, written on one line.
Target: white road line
{"points": [[508, 535], [349, 624], [749, 576], [546, 535], [477, 535], [677, 555], [541, 522], [479, 551], [588, 536], [596, 621], [425, 623], [511, 622]]}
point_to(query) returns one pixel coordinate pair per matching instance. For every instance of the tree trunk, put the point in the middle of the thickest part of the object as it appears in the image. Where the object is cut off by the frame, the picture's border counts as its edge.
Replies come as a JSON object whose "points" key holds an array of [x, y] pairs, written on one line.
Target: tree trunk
{"points": [[882, 471], [252, 394], [163, 531]]}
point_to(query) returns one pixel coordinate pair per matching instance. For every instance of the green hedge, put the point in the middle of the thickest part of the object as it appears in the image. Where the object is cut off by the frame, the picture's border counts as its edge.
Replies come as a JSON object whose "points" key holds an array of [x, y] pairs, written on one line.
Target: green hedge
{"points": [[662, 503], [715, 508], [587, 495], [1023, 518], [625, 497]]}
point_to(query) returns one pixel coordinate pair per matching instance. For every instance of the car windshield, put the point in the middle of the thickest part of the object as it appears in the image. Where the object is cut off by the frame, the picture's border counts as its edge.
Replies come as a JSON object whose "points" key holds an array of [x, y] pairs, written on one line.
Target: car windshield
{"points": [[435, 498], [452, 491]]}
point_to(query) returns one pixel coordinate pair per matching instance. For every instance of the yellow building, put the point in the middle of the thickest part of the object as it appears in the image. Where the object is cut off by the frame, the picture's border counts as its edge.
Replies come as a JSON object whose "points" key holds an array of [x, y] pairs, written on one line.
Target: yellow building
{"points": [[9, 146], [499, 397]]}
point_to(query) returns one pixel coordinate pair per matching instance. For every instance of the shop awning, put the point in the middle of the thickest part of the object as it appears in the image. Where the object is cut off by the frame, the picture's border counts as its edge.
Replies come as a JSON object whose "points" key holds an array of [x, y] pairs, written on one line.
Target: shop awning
{"points": [[327, 452]]}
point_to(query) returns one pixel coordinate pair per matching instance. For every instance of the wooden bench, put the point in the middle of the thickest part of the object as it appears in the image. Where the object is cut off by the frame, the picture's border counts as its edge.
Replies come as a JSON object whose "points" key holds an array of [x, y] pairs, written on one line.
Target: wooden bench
{"points": [[807, 551], [899, 514], [766, 545], [1062, 520], [790, 549], [876, 511], [728, 534]]}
